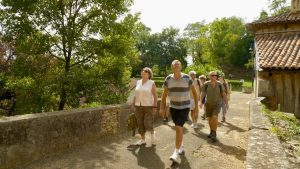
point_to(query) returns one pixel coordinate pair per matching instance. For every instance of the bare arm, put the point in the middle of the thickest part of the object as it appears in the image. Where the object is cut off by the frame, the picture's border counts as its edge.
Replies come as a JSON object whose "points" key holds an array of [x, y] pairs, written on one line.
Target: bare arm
{"points": [[202, 95], [195, 97], [162, 110], [133, 104], [154, 93], [225, 99]]}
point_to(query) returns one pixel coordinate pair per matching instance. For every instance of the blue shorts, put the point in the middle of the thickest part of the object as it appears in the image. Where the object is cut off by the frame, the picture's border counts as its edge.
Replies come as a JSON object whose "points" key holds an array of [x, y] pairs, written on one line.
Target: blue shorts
{"points": [[179, 116]]}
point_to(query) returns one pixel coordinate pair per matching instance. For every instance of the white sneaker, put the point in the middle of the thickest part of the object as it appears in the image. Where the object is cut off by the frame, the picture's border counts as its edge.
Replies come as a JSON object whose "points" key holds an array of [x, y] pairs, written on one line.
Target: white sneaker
{"points": [[140, 142], [192, 126], [181, 150], [195, 126], [174, 157], [152, 138]]}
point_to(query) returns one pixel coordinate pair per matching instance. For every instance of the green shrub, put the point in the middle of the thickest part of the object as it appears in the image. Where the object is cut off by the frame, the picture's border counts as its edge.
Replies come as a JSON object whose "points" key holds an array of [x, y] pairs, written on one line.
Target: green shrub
{"points": [[235, 83], [155, 78], [202, 69]]}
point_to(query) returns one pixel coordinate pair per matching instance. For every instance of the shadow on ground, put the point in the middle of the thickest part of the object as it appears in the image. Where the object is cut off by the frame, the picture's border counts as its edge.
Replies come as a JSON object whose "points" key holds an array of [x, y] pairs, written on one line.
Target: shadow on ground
{"points": [[146, 157]]}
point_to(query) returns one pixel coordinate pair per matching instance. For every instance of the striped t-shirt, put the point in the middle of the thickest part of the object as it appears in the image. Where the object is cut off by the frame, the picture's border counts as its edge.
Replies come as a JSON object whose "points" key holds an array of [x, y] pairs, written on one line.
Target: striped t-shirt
{"points": [[179, 91]]}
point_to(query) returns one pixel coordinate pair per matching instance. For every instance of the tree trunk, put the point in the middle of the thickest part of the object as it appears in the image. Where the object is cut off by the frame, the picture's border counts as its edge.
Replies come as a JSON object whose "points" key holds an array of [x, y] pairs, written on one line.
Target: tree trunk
{"points": [[63, 91]]}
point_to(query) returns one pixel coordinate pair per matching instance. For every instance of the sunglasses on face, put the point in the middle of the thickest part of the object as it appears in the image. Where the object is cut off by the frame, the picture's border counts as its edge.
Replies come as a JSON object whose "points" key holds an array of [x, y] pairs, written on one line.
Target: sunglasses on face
{"points": [[213, 75]]}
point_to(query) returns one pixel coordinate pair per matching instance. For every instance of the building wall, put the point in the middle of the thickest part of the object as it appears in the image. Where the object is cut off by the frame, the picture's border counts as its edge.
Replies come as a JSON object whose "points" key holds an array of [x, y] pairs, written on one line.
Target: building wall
{"points": [[281, 88]]}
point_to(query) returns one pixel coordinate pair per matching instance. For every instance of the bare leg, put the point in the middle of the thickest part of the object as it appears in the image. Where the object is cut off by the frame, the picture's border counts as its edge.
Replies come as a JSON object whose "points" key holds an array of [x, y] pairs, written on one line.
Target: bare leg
{"points": [[167, 110], [193, 116], [179, 136], [214, 122]]}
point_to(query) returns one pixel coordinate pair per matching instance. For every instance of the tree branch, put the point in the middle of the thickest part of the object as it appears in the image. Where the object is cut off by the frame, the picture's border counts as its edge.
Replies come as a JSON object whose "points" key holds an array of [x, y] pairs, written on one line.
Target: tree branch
{"points": [[82, 61], [61, 59]]}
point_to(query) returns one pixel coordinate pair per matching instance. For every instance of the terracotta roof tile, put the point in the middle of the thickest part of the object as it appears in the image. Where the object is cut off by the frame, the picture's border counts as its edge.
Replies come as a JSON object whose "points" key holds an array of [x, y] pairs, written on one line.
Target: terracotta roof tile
{"points": [[278, 51], [282, 18]]}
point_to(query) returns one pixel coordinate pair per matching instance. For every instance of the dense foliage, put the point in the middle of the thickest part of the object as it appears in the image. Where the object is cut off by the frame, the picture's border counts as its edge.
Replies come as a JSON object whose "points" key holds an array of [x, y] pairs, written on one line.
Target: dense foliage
{"points": [[66, 49], [54, 53]]}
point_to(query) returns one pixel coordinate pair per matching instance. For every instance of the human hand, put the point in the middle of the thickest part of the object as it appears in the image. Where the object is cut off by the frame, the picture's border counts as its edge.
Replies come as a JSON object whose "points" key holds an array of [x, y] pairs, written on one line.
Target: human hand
{"points": [[227, 106], [201, 105], [132, 107], [154, 110], [162, 113]]}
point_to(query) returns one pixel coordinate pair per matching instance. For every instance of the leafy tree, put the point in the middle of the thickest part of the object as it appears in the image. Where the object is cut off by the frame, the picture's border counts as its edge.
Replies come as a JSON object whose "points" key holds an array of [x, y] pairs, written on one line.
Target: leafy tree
{"points": [[263, 14], [195, 35], [278, 7], [69, 34], [160, 49], [229, 41]]}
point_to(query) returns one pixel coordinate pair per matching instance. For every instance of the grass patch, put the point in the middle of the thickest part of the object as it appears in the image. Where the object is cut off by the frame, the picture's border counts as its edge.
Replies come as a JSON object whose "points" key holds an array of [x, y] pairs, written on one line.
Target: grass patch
{"points": [[91, 105], [247, 83], [158, 78], [287, 128], [237, 85]]}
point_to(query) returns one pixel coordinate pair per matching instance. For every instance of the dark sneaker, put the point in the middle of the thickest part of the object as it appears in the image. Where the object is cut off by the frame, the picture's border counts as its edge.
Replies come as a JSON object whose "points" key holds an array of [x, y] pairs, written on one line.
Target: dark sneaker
{"points": [[209, 136], [213, 137], [223, 119], [203, 117]]}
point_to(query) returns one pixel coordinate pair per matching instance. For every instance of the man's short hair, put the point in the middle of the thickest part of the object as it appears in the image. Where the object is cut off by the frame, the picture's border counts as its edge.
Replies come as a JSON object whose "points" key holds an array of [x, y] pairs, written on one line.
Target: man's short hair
{"points": [[192, 73]]}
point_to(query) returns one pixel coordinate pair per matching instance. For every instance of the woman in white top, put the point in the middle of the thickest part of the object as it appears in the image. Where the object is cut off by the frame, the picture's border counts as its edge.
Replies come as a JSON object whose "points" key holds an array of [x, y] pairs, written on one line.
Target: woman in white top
{"points": [[145, 104]]}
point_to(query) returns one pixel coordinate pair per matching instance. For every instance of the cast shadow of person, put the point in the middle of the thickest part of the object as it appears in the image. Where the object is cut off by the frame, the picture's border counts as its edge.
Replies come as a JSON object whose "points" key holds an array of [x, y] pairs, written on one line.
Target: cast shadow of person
{"points": [[237, 151], [231, 127], [185, 130], [184, 164], [146, 157]]}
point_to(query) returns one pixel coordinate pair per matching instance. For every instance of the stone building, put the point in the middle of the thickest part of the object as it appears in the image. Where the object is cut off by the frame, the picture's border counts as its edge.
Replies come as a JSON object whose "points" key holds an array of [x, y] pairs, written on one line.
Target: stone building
{"points": [[277, 59]]}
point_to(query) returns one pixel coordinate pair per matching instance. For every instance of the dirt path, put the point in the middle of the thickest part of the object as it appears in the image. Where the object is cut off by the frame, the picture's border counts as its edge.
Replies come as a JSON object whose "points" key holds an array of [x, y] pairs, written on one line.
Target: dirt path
{"points": [[115, 153]]}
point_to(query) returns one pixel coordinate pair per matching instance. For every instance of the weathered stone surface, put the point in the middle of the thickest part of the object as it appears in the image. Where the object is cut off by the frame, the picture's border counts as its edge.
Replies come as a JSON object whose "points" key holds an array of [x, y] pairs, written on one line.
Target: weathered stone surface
{"points": [[29, 137], [264, 148]]}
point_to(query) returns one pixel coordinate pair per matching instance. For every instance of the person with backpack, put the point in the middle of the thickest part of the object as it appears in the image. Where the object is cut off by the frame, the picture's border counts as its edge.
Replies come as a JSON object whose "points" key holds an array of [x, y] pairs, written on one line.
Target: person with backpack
{"points": [[178, 86], [225, 85], [202, 82], [214, 92], [196, 84]]}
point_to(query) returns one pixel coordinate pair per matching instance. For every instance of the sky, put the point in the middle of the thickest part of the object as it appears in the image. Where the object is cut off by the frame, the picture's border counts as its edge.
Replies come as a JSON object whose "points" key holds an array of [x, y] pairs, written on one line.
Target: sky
{"points": [[159, 14]]}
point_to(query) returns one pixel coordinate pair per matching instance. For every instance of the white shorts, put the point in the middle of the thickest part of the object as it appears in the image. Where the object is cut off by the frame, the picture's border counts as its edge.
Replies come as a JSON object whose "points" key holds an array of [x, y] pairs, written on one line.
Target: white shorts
{"points": [[168, 100], [192, 104]]}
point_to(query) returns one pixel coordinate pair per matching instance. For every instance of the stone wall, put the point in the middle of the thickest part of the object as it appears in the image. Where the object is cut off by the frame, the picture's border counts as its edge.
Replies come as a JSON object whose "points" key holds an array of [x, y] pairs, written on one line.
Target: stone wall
{"points": [[264, 148], [29, 137]]}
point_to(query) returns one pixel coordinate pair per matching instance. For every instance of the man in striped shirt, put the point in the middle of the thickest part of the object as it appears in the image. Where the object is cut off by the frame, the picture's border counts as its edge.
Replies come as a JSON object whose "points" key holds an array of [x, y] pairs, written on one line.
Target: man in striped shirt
{"points": [[178, 86]]}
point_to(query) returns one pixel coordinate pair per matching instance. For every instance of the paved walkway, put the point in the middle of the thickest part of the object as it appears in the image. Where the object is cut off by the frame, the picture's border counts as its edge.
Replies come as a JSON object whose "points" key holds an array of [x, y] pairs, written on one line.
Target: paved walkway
{"points": [[117, 153]]}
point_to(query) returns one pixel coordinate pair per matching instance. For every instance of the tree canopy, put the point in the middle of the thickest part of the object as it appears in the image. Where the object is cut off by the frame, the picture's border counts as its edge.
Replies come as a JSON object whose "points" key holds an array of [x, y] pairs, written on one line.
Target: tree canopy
{"points": [[55, 42]]}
